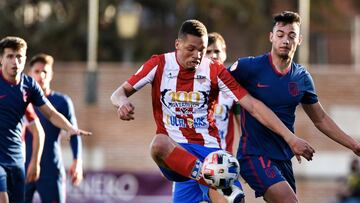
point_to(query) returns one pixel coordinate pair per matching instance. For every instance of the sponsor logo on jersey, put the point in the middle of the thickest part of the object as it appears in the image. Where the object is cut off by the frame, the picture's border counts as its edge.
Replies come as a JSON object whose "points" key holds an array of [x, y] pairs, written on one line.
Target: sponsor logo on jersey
{"points": [[184, 103], [200, 122]]}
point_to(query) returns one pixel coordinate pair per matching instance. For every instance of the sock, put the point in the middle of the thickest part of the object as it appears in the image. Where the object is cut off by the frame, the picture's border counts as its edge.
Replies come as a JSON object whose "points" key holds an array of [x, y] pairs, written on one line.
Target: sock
{"points": [[184, 163]]}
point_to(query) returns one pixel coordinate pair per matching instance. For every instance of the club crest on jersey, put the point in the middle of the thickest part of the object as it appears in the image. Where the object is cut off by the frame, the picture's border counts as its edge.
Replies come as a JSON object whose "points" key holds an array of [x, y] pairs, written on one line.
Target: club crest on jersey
{"points": [[293, 89]]}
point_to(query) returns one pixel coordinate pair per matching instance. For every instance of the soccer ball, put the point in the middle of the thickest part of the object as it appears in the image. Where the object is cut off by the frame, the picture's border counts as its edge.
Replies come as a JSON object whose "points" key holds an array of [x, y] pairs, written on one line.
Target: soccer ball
{"points": [[220, 169]]}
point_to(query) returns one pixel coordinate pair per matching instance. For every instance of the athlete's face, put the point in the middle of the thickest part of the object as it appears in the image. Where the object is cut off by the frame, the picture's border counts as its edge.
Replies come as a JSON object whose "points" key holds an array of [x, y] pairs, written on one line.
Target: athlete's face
{"points": [[216, 51], [285, 38], [13, 63], [190, 50], [42, 73]]}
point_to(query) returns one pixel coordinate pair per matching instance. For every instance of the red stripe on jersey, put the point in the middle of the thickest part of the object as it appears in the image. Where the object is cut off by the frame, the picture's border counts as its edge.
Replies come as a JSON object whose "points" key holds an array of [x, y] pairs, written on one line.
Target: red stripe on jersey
{"points": [[146, 68], [155, 93], [185, 82]]}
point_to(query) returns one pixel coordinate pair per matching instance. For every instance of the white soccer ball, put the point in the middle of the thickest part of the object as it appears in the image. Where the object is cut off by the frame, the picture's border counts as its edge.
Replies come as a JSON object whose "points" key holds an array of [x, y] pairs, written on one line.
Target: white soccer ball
{"points": [[220, 169]]}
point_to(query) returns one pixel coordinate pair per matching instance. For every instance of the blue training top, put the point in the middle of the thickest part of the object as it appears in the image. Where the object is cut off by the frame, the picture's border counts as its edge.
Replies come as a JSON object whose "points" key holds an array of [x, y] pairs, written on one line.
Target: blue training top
{"points": [[281, 93], [14, 99], [51, 161]]}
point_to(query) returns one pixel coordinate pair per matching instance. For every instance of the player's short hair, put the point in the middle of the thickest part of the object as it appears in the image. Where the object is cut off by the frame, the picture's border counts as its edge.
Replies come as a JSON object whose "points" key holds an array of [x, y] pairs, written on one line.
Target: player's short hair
{"points": [[287, 17], [192, 27], [42, 58], [214, 37], [12, 42]]}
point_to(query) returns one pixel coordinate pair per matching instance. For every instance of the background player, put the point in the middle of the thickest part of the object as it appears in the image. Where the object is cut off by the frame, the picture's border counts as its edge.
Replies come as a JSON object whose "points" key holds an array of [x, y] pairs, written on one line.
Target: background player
{"points": [[184, 86], [226, 109], [265, 157], [16, 91], [32, 122], [51, 184]]}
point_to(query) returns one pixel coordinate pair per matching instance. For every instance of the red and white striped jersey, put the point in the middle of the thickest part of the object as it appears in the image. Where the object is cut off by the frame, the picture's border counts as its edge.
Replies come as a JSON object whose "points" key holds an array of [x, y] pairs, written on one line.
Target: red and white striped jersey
{"points": [[183, 99]]}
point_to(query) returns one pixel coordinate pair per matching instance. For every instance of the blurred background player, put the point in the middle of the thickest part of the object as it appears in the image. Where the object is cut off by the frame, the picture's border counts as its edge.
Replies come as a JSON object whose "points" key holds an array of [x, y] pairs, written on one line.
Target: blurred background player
{"points": [[184, 86], [16, 91], [265, 157], [51, 184], [225, 111], [32, 123], [349, 189]]}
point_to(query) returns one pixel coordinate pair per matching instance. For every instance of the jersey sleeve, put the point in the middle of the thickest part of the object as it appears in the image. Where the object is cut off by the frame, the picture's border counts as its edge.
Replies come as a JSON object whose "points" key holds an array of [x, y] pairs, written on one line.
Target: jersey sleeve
{"points": [[229, 86], [310, 96], [239, 70], [75, 140], [145, 74]]}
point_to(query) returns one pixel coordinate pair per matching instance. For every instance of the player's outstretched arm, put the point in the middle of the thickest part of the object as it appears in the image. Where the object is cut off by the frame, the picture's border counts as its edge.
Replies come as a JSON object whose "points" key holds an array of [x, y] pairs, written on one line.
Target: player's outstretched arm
{"points": [[268, 118], [38, 134], [326, 125], [60, 121], [119, 99]]}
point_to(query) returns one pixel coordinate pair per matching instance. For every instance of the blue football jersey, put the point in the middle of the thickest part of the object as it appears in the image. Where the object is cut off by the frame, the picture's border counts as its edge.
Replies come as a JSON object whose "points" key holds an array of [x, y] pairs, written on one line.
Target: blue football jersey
{"points": [[281, 93], [14, 99], [51, 161]]}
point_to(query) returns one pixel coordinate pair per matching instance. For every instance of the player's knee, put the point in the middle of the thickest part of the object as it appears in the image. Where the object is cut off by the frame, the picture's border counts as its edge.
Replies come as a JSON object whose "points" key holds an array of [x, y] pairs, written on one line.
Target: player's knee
{"points": [[160, 147]]}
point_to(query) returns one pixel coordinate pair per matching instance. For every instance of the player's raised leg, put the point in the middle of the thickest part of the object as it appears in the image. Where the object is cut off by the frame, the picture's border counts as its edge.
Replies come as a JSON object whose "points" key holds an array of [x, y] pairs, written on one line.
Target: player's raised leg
{"points": [[168, 154]]}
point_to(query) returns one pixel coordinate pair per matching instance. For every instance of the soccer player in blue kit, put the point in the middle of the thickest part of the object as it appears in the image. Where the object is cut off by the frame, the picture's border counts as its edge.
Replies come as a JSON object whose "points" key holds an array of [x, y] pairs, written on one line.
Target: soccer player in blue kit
{"points": [[16, 91], [51, 183], [273, 78]]}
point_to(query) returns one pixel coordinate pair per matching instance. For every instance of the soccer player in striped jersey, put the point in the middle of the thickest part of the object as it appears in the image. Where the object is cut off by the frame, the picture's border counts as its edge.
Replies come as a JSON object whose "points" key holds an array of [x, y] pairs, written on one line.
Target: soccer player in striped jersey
{"points": [[185, 85], [51, 184], [16, 91], [226, 113], [264, 156]]}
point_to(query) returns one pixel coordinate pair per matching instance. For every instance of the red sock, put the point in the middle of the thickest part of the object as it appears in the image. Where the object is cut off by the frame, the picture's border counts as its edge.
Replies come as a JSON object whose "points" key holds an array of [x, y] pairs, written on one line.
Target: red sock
{"points": [[181, 161]]}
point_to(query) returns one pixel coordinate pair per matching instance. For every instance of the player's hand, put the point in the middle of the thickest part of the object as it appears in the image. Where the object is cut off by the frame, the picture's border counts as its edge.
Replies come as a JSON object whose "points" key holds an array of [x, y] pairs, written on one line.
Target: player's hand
{"points": [[76, 131], [301, 148], [76, 172], [126, 111], [33, 172], [356, 149]]}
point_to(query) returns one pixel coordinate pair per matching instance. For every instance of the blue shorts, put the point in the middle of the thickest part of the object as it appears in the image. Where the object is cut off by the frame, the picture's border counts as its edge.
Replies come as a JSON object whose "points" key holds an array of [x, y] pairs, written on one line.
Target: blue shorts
{"points": [[260, 172], [186, 190], [50, 188], [12, 181], [192, 192]]}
